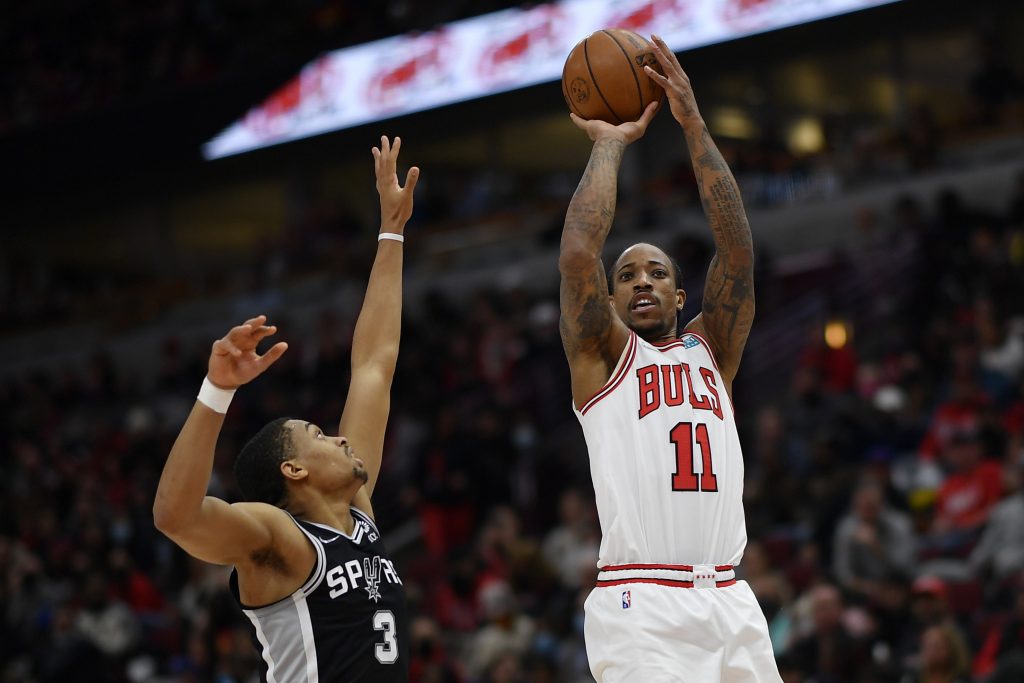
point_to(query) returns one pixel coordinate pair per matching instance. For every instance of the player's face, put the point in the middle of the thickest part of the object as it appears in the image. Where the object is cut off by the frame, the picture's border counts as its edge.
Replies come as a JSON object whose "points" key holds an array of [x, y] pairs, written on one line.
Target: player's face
{"points": [[644, 292], [328, 458]]}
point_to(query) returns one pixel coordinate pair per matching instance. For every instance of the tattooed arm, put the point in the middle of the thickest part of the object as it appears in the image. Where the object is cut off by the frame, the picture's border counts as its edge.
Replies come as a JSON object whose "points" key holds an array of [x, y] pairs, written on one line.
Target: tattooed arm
{"points": [[728, 309], [593, 336]]}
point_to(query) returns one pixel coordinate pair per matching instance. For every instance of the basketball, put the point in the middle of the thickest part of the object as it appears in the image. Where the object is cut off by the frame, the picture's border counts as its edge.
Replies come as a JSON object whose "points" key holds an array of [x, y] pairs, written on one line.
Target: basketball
{"points": [[603, 77]]}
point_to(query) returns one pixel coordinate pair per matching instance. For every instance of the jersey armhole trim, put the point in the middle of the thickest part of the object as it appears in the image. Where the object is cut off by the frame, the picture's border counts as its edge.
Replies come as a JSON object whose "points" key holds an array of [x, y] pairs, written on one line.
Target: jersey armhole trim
{"points": [[707, 345], [316, 576], [320, 570], [625, 362]]}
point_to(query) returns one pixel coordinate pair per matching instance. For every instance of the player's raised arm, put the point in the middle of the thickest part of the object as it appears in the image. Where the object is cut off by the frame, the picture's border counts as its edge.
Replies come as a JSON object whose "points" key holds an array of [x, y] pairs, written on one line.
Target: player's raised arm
{"points": [[728, 309], [592, 334], [379, 325], [209, 528]]}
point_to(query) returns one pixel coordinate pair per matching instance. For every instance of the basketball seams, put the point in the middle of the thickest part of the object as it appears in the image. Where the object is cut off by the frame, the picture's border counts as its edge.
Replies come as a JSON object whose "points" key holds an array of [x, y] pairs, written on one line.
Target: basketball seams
{"points": [[597, 86], [639, 90]]}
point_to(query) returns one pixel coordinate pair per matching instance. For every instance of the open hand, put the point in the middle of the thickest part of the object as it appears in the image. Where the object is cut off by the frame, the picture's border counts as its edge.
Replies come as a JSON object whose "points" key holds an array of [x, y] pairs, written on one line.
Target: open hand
{"points": [[233, 359], [628, 132], [395, 200], [675, 82]]}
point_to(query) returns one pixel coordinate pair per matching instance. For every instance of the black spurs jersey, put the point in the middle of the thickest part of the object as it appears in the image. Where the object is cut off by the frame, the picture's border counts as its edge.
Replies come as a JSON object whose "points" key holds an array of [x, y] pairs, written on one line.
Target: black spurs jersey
{"points": [[346, 623]]}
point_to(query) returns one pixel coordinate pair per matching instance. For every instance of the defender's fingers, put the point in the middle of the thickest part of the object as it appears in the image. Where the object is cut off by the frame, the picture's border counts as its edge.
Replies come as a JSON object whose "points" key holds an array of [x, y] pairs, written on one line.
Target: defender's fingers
{"points": [[272, 354], [411, 178], [236, 334], [397, 145], [257, 321], [264, 331], [389, 160], [385, 145], [223, 347]]}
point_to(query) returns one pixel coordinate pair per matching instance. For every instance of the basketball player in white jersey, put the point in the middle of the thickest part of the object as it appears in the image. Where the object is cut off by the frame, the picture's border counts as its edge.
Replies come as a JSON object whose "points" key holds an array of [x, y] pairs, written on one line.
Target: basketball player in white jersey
{"points": [[657, 415], [310, 570]]}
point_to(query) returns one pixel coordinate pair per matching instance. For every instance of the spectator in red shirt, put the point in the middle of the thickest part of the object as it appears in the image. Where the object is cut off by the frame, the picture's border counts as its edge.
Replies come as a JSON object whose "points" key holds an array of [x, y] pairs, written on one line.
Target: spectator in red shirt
{"points": [[962, 412], [968, 494]]}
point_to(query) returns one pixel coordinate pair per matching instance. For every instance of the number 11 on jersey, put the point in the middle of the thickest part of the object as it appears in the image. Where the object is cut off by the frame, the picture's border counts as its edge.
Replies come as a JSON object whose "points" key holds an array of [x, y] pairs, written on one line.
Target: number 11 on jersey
{"points": [[685, 477]]}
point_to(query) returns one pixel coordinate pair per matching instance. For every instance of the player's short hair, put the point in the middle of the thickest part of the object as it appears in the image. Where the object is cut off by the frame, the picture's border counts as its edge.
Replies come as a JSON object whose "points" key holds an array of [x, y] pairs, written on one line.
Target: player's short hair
{"points": [[258, 466], [677, 271]]}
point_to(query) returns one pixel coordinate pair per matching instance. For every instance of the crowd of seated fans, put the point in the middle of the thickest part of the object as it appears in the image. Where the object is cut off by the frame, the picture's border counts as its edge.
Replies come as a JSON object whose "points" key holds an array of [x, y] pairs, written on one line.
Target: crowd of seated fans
{"points": [[884, 488]]}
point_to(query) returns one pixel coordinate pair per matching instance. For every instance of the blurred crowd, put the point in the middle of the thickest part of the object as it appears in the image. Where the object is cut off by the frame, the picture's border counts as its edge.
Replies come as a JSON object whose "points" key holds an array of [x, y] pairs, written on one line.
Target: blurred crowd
{"points": [[885, 469], [884, 486]]}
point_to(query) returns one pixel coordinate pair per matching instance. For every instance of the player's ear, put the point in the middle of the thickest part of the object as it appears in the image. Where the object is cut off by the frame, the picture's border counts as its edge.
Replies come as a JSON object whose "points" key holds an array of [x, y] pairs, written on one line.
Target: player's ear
{"points": [[294, 470], [680, 299]]}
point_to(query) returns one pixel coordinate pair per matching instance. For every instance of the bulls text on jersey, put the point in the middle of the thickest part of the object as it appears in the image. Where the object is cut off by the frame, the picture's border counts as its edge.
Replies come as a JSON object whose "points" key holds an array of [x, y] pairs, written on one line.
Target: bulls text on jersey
{"points": [[674, 384]]}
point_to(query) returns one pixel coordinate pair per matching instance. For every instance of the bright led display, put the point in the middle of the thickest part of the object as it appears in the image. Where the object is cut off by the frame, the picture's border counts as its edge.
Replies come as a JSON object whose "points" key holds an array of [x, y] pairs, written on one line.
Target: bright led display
{"points": [[489, 54]]}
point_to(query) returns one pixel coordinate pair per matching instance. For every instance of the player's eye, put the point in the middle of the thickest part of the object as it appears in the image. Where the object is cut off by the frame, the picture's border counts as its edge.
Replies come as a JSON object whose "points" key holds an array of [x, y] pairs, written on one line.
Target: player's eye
{"points": [[660, 273], [320, 435], [625, 276]]}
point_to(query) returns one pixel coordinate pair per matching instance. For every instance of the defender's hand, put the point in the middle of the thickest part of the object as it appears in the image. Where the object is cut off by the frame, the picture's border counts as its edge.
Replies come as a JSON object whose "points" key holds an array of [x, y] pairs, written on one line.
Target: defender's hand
{"points": [[675, 82], [627, 132], [395, 201], [234, 361]]}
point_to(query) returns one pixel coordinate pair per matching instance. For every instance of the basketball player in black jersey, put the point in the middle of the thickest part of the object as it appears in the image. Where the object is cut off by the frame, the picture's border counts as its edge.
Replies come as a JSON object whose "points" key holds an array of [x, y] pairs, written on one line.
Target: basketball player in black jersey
{"points": [[310, 570]]}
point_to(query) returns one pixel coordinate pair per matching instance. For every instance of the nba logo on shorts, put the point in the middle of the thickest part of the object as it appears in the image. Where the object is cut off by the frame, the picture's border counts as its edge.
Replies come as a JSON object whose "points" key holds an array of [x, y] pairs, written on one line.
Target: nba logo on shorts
{"points": [[626, 600]]}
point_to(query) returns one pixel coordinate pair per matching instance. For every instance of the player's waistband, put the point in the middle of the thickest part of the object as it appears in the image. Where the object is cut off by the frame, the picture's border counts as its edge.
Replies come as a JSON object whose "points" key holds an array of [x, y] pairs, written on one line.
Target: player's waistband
{"points": [[674, 575]]}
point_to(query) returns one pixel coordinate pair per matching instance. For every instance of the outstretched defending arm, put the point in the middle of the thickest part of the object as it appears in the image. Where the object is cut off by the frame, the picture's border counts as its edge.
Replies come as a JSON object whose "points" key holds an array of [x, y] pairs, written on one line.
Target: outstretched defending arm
{"points": [[592, 335], [206, 527], [379, 325], [728, 309]]}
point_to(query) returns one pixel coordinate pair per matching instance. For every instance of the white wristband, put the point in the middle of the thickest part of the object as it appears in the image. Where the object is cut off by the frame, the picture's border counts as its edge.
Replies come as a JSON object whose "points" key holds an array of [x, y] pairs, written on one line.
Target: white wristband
{"points": [[391, 236], [215, 398]]}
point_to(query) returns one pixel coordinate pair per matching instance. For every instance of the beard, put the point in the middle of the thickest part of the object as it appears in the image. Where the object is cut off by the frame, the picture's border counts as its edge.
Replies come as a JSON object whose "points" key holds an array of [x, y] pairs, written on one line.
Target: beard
{"points": [[652, 328], [361, 474]]}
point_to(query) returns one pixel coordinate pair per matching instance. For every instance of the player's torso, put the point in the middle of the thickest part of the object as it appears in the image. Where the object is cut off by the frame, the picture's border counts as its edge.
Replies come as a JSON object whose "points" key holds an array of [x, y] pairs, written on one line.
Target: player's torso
{"points": [[347, 623], [665, 458]]}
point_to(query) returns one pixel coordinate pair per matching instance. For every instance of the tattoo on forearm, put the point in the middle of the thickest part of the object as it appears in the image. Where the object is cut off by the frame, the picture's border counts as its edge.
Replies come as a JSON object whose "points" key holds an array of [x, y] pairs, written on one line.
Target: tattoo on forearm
{"points": [[586, 315], [729, 221], [728, 310], [593, 205]]}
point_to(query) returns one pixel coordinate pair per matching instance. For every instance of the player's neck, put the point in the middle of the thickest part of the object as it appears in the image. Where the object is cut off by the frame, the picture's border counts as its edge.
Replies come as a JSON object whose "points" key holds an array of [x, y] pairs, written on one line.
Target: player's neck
{"points": [[658, 337], [336, 513]]}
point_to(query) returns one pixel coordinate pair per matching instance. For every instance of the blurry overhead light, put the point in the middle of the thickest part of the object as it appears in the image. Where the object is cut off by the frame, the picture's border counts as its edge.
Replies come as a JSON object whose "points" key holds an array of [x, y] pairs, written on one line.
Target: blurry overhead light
{"points": [[805, 136], [837, 334], [733, 122]]}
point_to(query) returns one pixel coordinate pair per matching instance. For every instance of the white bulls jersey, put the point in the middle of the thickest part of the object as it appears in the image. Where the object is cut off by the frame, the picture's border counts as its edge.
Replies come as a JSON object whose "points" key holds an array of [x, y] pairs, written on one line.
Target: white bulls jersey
{"points": [[665, 458]]}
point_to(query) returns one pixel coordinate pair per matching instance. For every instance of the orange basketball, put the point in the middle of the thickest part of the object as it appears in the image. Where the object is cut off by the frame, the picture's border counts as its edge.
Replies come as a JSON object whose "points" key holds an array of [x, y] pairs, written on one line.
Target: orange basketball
{"points": [[603, 77]]}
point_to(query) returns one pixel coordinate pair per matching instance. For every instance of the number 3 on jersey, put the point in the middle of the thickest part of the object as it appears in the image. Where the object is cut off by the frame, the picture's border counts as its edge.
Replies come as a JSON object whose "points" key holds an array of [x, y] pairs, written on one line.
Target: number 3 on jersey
{"points": [[685, 478], [386, 652]]}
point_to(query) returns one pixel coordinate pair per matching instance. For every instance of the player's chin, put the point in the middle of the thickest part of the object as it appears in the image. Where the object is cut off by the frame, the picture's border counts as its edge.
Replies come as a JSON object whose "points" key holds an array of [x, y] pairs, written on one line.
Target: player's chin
{"points": [[646, 323], [362, 475]]}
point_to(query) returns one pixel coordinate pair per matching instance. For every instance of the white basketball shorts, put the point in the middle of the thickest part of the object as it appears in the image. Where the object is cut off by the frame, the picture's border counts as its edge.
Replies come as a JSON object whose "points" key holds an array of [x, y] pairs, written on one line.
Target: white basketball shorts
{"points": [[653, 633]]}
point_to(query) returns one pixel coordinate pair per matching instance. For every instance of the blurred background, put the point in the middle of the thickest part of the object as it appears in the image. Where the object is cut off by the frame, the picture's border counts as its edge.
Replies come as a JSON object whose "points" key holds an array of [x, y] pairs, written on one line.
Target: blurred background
{"points": [[881, 398]]}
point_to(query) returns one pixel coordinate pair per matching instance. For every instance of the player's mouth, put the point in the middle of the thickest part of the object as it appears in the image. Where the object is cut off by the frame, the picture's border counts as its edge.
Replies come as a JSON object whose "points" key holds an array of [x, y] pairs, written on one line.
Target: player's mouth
{"points": [[643, 303]]}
